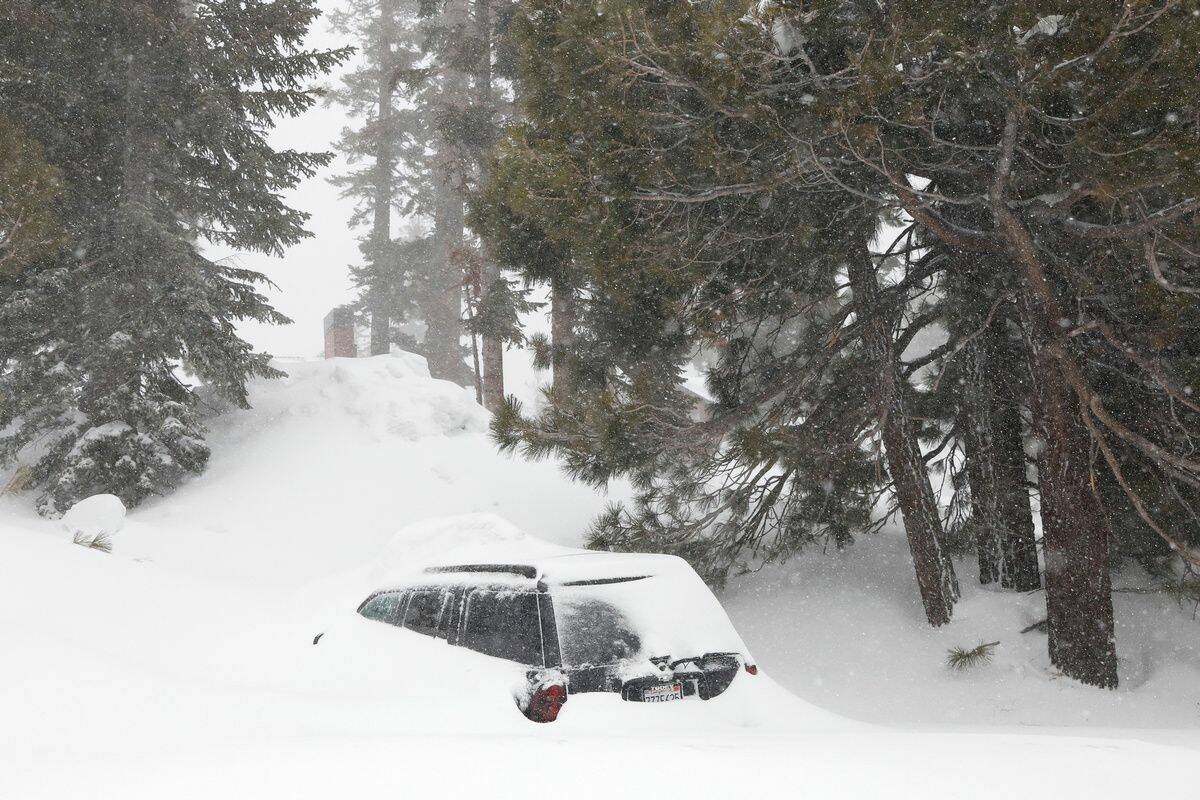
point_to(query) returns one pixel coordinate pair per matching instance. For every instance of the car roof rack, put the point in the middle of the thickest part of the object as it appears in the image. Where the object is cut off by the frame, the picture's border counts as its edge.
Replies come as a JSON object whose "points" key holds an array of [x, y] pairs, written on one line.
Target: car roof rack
{"points": [[524, 570]]}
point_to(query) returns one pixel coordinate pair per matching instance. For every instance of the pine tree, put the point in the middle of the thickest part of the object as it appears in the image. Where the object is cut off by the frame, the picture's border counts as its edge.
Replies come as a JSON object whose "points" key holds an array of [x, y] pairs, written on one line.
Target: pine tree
{"points": [[29, 187], [391, 138], [1036, 125], [712, 157], [156, 114], [589, 193]]}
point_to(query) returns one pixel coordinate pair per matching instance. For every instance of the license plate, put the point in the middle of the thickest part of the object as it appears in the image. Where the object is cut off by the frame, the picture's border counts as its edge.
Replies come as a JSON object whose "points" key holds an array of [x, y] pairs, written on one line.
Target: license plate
{"points": [[663, 693]]}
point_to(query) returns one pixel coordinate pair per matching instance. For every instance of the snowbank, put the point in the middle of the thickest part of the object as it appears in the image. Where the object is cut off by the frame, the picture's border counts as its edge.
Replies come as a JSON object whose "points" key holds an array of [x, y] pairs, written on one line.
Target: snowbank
{"points": [[335, 458], [183, 666], [378, 398], [846, 632]]}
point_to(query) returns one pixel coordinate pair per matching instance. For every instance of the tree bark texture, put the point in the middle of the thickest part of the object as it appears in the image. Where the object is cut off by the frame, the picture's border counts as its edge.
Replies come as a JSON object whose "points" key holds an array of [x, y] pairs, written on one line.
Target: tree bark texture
{"points": [[385, 162], [1075, 531], [493, 345], [443, 316], [995, 460], [936, 580], [562, 335]]}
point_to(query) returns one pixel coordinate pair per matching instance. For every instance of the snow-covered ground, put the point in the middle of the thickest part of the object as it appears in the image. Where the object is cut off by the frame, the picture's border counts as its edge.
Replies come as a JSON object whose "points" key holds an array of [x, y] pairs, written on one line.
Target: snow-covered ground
{"points": [[181, 664]]}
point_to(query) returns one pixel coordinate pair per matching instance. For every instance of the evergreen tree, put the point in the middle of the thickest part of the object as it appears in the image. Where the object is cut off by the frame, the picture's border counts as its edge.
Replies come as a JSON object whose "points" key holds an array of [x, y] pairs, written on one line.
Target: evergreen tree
{"points": [[1030, 129], [713, 174], [391, 140], [590, 192], [29, 188], [156, 114]]}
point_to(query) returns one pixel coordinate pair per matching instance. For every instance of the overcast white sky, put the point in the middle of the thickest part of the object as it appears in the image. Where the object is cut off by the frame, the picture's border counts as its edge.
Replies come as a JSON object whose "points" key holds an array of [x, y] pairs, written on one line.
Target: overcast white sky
{"points": [[313, 276]]}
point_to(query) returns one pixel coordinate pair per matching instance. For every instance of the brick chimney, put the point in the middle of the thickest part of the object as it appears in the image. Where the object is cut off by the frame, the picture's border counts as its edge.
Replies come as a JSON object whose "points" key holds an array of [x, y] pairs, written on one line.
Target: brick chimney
{"points": [[339, 334]]}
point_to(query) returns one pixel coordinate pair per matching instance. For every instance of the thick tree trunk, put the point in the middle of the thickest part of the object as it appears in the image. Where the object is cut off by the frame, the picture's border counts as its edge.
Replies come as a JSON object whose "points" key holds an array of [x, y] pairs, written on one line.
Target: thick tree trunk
{"points": [[562, 335], [385, 161], [1074, 528], [935, 572], [493, 373], [1075, 534]]}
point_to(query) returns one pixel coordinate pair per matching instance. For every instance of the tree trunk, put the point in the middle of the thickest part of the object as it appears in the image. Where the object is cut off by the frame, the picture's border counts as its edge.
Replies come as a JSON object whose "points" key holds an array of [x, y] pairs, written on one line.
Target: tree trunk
{"points": [[443, 314], [493, 372], [995, 458], [935, 572], [1074, 532], [443, 317], [1074, 528], [977, 432], [385, 160], [493, 346], [1018, 546], [562, 335]]}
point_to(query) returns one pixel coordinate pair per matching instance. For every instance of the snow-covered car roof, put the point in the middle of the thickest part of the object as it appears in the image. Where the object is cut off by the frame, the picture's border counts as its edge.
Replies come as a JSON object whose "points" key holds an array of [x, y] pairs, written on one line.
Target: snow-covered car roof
{"points": [[661, 596], [576, 567]]}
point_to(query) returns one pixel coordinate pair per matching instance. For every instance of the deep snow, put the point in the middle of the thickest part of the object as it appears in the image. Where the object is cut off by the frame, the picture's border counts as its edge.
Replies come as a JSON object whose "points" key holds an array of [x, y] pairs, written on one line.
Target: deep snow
{"points": [[181, 665]]}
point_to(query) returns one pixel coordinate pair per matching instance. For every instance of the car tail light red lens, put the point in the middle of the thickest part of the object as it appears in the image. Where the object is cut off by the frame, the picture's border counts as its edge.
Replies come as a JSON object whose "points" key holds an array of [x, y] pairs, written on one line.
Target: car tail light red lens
{"points": [[752, 669], [547, 702]]}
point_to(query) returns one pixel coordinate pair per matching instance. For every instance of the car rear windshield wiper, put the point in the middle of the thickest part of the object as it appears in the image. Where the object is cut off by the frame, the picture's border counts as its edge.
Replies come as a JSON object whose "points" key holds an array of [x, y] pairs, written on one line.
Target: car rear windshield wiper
{"points": [[603, 581]]}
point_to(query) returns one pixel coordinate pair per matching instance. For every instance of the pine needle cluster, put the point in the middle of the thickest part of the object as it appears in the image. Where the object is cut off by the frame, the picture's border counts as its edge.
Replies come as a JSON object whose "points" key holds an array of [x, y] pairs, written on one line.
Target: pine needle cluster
{"points": [[99, 541], [962, 659]]}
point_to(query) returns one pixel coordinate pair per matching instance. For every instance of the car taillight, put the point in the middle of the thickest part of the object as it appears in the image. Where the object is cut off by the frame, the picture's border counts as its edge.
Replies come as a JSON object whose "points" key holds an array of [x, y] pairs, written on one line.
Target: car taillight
{"points": [[547, 702], [752, 669]]}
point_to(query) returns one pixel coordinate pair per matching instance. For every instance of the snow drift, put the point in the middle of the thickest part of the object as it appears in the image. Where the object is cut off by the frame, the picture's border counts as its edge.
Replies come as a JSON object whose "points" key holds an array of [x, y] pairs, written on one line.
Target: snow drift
{"points": [[182, 664]]}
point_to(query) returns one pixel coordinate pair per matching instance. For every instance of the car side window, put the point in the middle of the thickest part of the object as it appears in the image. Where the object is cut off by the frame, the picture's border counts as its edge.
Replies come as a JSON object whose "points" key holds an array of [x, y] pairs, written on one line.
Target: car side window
{"points": [[504, 624], [382, 607], [424, 611]]}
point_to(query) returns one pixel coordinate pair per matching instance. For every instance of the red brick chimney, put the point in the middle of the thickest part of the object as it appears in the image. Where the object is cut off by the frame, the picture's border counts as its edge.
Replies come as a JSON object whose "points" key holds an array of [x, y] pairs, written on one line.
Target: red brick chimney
{"points": [[339, 334]]}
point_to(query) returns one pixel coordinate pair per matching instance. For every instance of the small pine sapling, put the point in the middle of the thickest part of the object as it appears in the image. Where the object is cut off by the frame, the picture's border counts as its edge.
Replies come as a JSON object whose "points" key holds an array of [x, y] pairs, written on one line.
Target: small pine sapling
{"points": [[961, 658]]}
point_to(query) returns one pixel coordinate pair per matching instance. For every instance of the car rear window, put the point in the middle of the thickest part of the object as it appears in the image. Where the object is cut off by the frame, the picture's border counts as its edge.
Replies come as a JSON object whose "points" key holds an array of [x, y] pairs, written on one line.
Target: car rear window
{"points": [[593, 632], [424, 611], [382, 607], [504, 624], [607, 618]]}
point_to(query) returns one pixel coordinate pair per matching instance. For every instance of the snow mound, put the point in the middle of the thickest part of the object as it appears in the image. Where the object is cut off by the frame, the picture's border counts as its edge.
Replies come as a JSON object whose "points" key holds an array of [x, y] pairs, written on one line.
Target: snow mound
{"points": [[386, 397], [95, 516]]}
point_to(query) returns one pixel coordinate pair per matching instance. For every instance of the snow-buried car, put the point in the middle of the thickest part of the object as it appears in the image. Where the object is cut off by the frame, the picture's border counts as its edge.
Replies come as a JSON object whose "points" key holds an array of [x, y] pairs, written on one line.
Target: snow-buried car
{"points": [[642, 626]]}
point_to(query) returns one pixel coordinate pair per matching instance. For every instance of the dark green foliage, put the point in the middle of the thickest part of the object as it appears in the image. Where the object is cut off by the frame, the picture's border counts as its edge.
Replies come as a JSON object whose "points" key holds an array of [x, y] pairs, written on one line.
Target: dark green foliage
{"points": [[751, 283], [29, 187], [704, 177], [156, 116]]}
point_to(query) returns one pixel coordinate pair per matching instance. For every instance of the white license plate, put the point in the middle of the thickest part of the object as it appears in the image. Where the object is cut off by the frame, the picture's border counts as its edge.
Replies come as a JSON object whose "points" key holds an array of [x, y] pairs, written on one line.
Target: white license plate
{"points": [[663, 693]]}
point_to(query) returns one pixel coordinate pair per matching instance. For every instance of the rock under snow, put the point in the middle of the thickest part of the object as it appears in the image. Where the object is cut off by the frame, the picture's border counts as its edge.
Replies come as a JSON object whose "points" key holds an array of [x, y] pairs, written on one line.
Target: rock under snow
{"points": [[98, 515]]}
